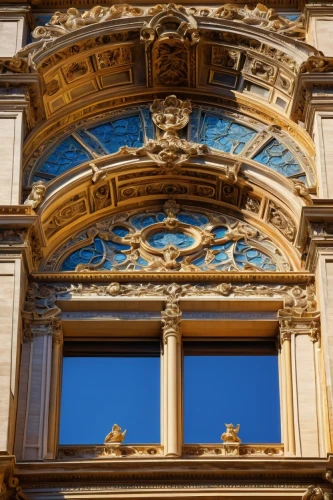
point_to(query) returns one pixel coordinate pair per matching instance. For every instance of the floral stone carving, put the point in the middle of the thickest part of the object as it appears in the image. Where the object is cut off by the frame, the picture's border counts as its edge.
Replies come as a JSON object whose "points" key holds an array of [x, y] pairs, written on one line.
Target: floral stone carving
{"points": [[168, 150]]}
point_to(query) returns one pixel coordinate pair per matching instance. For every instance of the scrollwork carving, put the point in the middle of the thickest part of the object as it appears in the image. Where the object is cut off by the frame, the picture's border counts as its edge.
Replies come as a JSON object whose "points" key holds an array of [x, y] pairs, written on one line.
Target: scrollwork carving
{"points": [[317, 64], [169, 151], [72, 20], [263, 17]]}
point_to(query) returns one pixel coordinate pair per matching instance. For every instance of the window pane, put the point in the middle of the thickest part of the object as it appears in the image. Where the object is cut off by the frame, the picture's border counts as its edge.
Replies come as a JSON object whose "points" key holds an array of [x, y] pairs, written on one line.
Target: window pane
{"points": [[98, 392], [241, 390]]}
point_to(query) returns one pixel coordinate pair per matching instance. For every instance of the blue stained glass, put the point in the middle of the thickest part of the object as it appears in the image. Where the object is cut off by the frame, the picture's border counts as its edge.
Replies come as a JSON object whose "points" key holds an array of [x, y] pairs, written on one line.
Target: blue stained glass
{"points": [[276, 156], [91, 143], [163, 238], [67, 155], [124, 132], [224, 134], [144, 220], [120, 231], [100, 253], [220, 232], [198, 220]]}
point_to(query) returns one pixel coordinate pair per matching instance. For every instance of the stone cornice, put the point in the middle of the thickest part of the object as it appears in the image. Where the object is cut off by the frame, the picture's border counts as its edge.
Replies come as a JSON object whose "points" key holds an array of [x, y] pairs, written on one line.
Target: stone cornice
{"points": [[269, 471]]}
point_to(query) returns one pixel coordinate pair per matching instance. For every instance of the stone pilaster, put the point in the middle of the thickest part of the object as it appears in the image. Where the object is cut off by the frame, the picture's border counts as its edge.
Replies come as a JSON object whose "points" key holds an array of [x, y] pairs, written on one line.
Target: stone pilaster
{"points": [[300, 338], [39, 389]]}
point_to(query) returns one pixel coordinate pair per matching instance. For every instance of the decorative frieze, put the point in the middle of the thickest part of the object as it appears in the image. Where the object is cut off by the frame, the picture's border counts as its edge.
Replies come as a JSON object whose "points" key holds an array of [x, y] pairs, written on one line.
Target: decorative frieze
{"points": [[245, 451], [102, 452]]}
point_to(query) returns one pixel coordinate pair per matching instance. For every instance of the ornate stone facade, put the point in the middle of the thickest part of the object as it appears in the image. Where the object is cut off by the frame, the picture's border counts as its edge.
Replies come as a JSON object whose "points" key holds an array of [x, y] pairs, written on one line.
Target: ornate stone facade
{"points": [[172, 163]]}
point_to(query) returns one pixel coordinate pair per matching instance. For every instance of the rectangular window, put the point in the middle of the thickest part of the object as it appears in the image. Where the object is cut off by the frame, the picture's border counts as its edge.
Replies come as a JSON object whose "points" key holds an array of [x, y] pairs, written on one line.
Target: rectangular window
{"points": [[104, 383], [226, 384], [256, 89]]}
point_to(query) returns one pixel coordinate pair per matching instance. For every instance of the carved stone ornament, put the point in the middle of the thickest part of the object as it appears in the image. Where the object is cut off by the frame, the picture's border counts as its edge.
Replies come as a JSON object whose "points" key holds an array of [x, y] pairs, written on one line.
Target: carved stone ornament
{"points": [[115, 436], [315, 493], [169, 243], [72, 20], [317, 64], [41, 328], [231, 434], [263, 17], [301, 318], [297, 300], [108, 451], [231, 441], [169, 151], [278, 218], [171, 319], [37, 194], [40, 302], [170, 21], [301, 190]]}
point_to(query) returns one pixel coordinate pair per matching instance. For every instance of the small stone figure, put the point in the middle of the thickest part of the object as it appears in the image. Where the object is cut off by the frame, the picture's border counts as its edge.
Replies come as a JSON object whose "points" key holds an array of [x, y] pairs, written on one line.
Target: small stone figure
{"points": [[230, 435], [37, 194], [115, 436]]}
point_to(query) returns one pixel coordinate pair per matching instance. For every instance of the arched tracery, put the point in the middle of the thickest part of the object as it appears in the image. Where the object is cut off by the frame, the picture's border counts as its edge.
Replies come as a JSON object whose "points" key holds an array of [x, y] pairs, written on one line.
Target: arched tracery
{"points": [[169, 239]]}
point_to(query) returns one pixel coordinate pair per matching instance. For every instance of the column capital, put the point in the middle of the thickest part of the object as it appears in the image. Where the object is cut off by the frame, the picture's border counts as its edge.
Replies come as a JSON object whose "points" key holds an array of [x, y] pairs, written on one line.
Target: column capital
{"points": [[298, 326], [39, 328], [313, 90], [171, 320]]}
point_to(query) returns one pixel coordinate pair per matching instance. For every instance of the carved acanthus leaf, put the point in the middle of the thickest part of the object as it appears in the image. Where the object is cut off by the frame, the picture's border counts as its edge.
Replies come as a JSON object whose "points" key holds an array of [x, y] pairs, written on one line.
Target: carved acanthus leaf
{"points": [[171, 319]]}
